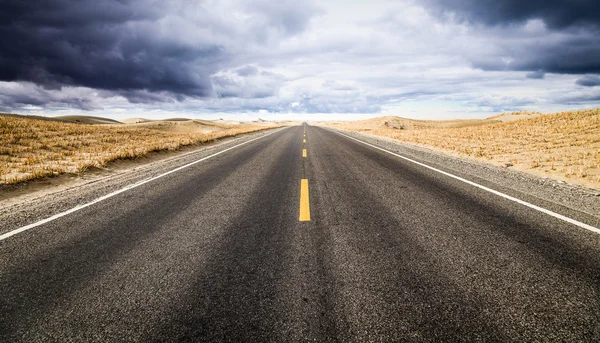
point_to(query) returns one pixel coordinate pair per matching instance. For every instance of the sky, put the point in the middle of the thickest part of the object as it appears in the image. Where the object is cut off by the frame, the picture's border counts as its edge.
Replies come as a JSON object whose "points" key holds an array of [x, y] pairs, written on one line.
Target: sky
{"points": [[339, 60]]}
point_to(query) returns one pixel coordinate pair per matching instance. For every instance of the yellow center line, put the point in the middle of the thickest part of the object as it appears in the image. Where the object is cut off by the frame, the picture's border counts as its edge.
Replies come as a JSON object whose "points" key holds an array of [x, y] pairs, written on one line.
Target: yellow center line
{"points": [[304, 203], [303, 152], [304, 141]]}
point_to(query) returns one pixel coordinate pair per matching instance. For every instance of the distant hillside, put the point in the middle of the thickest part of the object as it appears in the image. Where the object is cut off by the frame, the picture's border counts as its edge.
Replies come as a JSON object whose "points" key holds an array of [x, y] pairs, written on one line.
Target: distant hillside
{"points": [[399, 123], [86, 120], [65, 119], [515, 115]]}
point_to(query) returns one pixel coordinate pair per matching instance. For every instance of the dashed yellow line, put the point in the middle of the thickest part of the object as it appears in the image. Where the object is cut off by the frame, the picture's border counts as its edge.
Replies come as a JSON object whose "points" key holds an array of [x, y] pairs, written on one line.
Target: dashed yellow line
{"points": [[304, 141], [304, 202], [303, 152]]}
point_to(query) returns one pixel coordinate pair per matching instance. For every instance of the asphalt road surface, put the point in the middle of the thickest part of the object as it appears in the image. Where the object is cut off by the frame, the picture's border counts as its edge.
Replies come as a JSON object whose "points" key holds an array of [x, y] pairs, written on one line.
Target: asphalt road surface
{"points": [[392, 251]]}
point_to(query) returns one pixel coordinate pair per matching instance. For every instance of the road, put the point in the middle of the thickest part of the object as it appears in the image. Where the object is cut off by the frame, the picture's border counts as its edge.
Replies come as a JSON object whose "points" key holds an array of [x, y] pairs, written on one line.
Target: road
{"points": [[220, 251]]}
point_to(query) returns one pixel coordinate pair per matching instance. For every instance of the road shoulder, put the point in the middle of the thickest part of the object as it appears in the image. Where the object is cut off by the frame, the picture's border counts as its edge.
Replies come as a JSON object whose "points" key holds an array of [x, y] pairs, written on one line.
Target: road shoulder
{"points": [[580, 202], [44, 199]]}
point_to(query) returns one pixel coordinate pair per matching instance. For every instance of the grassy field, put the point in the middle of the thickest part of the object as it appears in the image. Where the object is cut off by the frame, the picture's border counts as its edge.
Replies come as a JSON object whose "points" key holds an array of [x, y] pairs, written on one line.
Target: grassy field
{"points": [[562, 145], [32, 148]]}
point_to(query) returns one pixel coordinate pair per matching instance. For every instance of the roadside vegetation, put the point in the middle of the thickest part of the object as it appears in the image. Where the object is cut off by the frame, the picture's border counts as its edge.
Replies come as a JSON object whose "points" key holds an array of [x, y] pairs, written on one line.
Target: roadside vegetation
{"points": [[32, 148], [563, 145]]}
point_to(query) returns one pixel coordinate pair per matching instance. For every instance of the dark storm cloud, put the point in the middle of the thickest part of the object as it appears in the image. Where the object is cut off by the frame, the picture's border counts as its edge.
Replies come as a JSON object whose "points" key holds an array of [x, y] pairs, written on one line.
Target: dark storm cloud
{"points": [[536, 75], [557, 14], [579, 98], [120, 45], [90, 43], [579, 54], [575, 51], [28, 94], [589, 81]]}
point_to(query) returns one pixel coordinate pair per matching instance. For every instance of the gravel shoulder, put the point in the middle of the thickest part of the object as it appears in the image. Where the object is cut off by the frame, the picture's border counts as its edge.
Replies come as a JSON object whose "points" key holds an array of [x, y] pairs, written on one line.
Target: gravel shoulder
{"points": [[575, 201], [27, 203]]}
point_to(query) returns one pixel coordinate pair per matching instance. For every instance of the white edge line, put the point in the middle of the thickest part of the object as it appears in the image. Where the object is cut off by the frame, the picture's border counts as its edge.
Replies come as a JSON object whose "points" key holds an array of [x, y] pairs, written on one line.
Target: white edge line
{"points": [[506, 196], [126, 188]]}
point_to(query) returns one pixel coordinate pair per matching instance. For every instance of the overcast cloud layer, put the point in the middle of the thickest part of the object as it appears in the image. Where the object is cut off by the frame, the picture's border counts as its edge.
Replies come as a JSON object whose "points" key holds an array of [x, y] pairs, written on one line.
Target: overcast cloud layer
{"points": [[327, 59]]}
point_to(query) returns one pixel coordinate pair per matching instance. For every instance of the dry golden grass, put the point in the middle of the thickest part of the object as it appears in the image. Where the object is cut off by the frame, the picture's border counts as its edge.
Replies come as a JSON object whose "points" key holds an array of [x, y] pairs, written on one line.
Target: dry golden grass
{"points": [[515, 115], [32, 148], [563, 145]]}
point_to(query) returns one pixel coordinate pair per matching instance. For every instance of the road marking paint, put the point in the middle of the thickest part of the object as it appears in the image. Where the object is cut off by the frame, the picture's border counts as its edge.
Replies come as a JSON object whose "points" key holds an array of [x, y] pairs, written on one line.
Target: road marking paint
{"points": [[303, 152], [500, 194], [304, 141], [126, 188], [304, 203]]}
